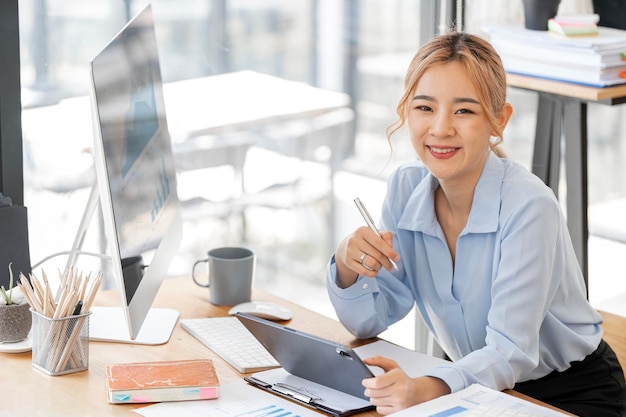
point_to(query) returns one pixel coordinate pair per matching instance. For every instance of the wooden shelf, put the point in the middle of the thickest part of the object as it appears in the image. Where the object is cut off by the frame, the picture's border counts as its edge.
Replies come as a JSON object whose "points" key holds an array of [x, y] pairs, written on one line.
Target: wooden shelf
{"points": [[607, 95]]}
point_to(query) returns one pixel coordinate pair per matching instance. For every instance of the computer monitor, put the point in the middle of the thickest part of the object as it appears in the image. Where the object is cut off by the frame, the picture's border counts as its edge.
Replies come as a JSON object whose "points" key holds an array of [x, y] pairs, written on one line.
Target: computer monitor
{"points": [[136, 180]]}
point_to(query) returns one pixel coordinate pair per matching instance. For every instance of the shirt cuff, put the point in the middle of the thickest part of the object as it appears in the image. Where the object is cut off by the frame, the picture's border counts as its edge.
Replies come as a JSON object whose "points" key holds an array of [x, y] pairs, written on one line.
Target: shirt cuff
{"points": [[450, 376], [362, 285]]}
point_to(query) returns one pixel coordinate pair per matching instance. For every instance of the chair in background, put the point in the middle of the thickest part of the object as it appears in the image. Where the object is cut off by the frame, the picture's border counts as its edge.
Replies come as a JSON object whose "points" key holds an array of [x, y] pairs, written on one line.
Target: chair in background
{"points": [[267, 178], [205, 152], [210, 172], [327, 140]]}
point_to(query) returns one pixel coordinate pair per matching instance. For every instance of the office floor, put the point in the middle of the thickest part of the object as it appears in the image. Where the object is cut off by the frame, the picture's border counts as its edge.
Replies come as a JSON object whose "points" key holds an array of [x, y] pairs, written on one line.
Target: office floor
{"points": [[290, 233]]}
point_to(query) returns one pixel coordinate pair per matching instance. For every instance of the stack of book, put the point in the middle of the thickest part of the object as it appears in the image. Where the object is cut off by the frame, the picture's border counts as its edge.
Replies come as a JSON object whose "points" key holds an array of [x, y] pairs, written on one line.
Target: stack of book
{"points": [[597, 61], [574, 25]]}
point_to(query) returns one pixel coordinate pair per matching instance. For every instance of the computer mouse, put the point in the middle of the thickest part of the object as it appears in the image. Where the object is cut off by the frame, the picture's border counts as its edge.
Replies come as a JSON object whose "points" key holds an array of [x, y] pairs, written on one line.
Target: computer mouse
{"points": [[264, 309]]}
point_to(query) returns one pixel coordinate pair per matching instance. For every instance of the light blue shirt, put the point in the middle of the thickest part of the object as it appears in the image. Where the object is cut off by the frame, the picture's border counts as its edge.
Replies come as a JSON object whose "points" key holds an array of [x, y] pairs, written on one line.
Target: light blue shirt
{"points": [[513, 306]]}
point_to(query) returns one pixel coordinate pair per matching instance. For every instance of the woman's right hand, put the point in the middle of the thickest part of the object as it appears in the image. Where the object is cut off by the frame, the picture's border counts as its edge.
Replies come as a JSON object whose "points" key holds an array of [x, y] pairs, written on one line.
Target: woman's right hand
{"points": [[363, 253]]}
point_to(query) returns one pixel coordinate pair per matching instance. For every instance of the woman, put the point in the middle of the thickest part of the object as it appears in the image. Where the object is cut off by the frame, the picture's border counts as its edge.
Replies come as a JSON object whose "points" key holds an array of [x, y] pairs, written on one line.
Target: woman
{"points": [[482, 248]]}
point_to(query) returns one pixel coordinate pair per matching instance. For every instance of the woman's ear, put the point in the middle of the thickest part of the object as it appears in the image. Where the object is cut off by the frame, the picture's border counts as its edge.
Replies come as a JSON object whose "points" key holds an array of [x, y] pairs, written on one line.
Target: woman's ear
{"points": [[504, 117]]}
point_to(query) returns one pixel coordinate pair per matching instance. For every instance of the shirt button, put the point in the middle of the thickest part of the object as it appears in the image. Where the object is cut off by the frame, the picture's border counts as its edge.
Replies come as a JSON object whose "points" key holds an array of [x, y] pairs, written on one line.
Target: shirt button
{"points": [[365, 285]]}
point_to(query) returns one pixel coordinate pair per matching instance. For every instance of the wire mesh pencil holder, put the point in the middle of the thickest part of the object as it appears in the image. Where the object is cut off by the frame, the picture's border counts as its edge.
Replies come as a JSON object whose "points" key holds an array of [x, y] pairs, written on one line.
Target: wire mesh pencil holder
{"points": [[60, 346]]}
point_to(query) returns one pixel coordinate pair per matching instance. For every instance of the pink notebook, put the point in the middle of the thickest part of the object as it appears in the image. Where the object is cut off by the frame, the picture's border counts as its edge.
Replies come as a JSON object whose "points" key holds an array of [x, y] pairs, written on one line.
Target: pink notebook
{"points": [[145, 382]]}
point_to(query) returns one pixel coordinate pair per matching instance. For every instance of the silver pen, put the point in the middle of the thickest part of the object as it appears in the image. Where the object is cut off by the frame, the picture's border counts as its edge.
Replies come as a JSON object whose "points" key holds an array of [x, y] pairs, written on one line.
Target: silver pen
{"points": [[371, 224]]}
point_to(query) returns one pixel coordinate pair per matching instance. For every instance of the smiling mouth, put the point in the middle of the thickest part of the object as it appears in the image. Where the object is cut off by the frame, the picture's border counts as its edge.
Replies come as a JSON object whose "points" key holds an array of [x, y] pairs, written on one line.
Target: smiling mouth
{"points": [[442, 150]]}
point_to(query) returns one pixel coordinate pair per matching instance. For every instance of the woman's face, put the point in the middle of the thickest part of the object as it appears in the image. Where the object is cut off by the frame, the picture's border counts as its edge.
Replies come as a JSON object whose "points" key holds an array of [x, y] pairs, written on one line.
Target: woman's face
{"points": [[448, 126]]}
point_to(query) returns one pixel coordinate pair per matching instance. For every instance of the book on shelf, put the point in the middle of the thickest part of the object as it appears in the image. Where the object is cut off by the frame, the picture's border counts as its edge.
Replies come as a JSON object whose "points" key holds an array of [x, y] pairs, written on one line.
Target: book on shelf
{"points": [[578, 18], [596, 61], [608, 38], [146, 382], [568, 73], [574, 25], [560, 56]]}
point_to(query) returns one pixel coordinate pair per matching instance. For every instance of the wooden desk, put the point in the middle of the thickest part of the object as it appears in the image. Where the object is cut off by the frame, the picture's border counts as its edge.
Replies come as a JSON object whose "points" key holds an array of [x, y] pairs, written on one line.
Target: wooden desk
{"points": [[29, 392], [563, 109]]}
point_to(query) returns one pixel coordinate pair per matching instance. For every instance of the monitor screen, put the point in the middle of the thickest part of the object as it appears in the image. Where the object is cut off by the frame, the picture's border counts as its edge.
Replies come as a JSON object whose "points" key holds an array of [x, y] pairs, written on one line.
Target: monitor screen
{"points": [[134, 167]]}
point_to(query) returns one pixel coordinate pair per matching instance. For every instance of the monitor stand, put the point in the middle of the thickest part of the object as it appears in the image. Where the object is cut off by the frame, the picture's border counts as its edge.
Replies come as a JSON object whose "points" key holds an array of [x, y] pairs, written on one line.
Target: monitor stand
{"points": [[108, 324], [93, 202]]}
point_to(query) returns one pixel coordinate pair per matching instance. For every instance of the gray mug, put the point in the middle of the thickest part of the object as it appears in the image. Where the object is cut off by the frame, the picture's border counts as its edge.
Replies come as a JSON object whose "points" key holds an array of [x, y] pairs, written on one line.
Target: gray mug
{"points": [[230, 273]]}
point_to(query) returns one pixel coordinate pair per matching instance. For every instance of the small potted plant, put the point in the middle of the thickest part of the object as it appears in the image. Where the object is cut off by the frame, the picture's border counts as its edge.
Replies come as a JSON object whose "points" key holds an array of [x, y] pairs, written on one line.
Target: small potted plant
{"points": [[15, 316]]}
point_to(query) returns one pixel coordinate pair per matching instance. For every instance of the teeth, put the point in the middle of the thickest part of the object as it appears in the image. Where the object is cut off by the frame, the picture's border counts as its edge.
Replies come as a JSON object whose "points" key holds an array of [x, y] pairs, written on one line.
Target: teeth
{"points": [[442, 150]]}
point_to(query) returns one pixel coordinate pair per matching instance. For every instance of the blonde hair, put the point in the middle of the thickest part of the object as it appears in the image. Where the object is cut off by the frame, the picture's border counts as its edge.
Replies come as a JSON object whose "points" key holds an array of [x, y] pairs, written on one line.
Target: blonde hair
{"points": [[482, 64]]}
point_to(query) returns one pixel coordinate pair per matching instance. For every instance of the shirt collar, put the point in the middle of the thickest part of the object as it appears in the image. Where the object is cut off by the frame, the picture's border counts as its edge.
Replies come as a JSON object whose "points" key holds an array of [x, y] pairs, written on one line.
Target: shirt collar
{"points": [[419, 212]]}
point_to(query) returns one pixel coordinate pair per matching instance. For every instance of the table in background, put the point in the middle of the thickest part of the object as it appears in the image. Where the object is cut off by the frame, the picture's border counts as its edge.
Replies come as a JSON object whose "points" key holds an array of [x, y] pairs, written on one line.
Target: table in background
{"points": [[562, 109], [213, 121], [213, 105], [242, 100]]}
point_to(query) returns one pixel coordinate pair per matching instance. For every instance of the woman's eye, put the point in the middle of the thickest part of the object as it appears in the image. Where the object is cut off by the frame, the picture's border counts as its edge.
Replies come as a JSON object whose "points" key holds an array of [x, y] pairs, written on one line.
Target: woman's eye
{"points": [[464, 111], [423, 108]]}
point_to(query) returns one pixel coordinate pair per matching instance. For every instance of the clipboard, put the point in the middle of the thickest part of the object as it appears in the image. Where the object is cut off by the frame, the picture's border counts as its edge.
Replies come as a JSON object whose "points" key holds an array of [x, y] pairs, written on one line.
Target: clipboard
{"points": [[315, 372]]}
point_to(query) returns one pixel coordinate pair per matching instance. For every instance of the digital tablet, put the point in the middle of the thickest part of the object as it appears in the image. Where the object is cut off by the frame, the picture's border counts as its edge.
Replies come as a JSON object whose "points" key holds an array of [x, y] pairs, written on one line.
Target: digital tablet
{"points": [[310, 357]]}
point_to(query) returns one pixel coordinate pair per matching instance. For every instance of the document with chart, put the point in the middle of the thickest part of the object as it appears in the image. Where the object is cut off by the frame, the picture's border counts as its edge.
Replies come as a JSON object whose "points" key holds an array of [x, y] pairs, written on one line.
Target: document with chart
{"points": [[237, 399], [477, 400]]}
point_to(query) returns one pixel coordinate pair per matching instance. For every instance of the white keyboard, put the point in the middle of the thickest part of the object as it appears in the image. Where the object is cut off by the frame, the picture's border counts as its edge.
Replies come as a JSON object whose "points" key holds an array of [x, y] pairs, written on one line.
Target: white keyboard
{"points": [[230, 339]]}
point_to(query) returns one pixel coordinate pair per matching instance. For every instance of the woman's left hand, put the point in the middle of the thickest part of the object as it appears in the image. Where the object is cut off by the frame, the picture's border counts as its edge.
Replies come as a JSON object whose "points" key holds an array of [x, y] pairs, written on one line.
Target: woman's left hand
{"points": [[395, 390]]}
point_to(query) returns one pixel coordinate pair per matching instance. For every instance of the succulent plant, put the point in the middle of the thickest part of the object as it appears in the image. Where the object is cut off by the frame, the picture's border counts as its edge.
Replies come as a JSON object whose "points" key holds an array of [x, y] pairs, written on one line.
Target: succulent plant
{"points": [[8, 296]]}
